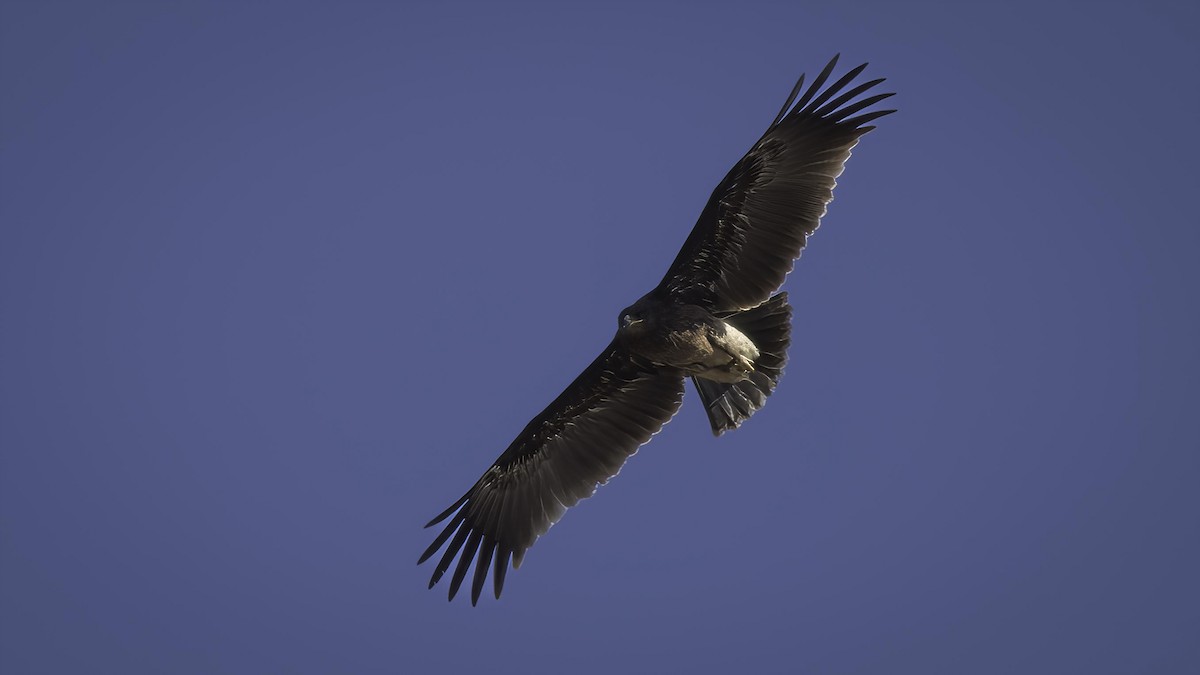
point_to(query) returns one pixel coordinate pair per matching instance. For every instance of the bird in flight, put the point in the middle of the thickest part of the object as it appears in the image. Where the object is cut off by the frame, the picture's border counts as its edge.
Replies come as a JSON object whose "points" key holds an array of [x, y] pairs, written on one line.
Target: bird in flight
{"points": [[713, 318]]}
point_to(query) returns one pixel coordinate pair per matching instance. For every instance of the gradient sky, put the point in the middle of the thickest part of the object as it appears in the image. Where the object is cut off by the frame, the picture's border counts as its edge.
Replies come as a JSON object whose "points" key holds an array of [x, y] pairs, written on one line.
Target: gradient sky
{"points": [[280, 280]]}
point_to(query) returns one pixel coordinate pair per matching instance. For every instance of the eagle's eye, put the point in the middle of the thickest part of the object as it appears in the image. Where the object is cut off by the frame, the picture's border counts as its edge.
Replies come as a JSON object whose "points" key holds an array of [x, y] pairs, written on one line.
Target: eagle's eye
{"points": [[628, 320]]}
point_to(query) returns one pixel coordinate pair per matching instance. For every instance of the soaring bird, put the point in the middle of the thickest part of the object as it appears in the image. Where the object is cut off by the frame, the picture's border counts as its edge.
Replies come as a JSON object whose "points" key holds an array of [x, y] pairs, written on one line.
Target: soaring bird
{"points": [[713, 318]]}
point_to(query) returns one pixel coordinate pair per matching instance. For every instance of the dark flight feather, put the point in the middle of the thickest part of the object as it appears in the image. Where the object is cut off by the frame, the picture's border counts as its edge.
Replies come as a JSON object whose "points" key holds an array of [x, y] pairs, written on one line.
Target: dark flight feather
{"points": [[576, 444], [759, 217]]}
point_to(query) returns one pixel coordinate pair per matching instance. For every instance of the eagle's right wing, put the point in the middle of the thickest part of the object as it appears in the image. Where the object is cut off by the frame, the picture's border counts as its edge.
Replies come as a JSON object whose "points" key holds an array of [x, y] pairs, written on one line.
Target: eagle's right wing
{"points": [[576, 444]]}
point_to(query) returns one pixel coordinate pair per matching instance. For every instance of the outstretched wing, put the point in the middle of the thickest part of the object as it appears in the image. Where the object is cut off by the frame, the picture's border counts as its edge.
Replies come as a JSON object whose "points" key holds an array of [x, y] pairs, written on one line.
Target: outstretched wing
{"points": [[758, 218], [576, 444]]}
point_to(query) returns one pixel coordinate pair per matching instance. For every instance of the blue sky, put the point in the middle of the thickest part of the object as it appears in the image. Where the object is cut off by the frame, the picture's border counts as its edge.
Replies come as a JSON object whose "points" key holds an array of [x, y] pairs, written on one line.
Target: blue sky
{"points": [[280, 280]]}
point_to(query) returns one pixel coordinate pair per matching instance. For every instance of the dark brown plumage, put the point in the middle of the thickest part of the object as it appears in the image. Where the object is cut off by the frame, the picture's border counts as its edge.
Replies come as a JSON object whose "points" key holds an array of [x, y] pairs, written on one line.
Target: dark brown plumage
{"points": [[712, 318]]}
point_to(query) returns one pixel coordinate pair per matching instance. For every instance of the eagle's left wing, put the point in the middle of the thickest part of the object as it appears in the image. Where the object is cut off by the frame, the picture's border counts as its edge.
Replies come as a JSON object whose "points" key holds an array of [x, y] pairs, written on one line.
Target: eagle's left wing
{"points": [[758, 219]]}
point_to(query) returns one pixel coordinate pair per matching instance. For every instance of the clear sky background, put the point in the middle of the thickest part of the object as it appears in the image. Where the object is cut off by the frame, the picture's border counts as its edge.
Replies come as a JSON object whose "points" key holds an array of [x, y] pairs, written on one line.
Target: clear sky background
{"points": [[280, 280]]}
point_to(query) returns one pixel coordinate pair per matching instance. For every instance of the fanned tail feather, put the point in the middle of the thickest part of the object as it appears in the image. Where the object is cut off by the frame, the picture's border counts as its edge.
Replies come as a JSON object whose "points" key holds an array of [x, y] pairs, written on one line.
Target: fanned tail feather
{"points": [[770, 327]]}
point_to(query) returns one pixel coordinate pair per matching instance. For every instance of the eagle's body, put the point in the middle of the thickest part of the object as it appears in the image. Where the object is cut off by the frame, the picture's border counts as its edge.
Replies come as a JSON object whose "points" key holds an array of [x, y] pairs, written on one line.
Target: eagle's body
{"points": [[714, 317], [688, 339]]}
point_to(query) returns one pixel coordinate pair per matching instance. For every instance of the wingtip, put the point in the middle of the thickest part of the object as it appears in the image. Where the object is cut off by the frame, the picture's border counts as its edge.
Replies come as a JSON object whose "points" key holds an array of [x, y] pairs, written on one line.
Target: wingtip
{"points": [[431, 549], [453, 507]]}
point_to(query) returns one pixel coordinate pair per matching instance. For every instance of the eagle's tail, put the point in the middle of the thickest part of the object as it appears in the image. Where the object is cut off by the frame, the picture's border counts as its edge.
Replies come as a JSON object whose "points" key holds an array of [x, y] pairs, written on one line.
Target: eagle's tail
{"points": [[769, 326]]}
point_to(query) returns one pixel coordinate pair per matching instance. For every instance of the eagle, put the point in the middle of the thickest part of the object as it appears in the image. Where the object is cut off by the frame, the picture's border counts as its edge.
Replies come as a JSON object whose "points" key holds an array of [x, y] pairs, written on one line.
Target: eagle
{"points": [[714, 318]]}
